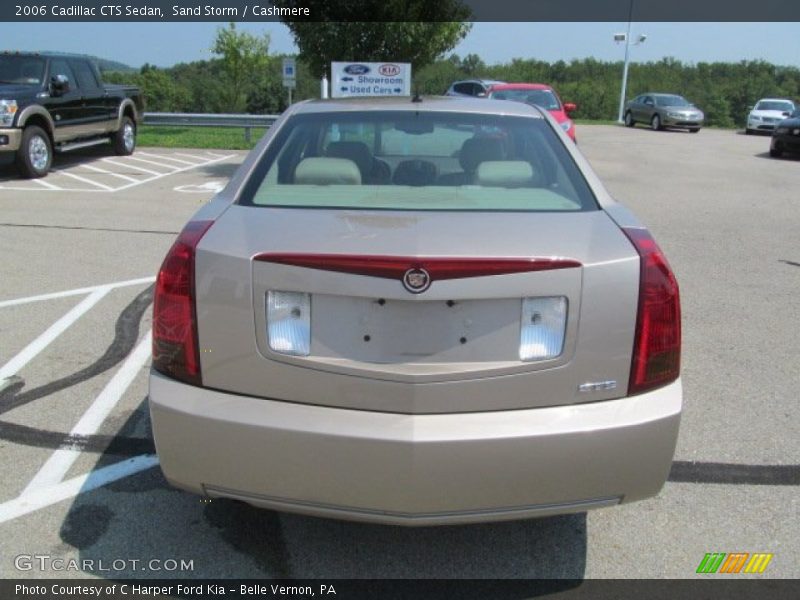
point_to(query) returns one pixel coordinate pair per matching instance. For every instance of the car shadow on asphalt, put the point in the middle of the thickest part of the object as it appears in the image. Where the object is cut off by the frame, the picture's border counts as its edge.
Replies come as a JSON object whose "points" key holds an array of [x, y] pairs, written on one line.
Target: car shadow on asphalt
{"points": [[224, 169], [143, 518]]}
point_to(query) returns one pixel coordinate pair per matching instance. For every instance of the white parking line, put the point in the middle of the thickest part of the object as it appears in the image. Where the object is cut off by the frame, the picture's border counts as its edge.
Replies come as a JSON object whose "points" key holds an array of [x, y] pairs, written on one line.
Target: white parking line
{"points": [[85, 180], [46, 184], [208, 154], [152, 162], [59, 463], [163, 157], [130, 163], [76, 292], [113, 162], [44, 497], [104, 172], [13, 366]]}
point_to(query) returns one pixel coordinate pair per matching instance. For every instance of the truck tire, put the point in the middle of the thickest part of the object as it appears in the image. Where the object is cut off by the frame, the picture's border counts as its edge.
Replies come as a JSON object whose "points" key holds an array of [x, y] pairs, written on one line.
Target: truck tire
{"points": [[125, 137], [35, 154]]}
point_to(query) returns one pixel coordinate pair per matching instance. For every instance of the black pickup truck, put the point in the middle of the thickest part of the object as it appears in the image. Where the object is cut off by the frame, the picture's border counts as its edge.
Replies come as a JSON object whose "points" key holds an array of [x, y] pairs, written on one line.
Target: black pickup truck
{"points": [[58, 102]]}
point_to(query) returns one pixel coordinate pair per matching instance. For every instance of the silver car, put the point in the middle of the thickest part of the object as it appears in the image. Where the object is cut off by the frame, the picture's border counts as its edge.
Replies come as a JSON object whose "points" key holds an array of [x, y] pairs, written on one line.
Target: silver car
{"points": [[663, 110], [416, 312]]}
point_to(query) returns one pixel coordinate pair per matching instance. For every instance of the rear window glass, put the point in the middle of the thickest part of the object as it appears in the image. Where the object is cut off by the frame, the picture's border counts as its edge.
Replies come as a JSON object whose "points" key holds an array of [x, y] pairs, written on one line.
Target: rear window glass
{"points": [[544, 98], [410, 160]]}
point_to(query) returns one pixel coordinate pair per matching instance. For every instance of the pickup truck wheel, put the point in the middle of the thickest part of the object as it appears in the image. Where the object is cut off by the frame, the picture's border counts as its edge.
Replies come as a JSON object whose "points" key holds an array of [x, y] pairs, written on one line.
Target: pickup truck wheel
{"points": [[35, 154], [125, 138]]}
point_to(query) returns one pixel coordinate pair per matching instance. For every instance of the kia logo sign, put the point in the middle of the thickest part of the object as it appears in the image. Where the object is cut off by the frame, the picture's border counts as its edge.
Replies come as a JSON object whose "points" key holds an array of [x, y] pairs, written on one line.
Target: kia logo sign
{"points": [[356, 69], [389, 70]]}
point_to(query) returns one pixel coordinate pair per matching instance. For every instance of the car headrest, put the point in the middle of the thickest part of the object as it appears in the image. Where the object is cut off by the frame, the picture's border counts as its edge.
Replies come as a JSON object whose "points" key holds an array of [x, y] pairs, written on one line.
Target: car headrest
{"points": [[358, 152], [479, 149], [505, 173], [327, 171]]}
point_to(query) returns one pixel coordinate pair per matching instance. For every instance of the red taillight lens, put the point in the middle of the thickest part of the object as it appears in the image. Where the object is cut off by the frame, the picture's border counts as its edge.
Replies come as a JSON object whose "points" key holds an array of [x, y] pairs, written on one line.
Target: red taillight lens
{"points": [[657, 344], [175, 351]]}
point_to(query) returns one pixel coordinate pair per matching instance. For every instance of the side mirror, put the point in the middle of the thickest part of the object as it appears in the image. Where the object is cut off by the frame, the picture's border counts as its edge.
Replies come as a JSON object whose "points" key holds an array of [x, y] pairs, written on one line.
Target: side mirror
{"points": [[570, 107], [59, 84]]}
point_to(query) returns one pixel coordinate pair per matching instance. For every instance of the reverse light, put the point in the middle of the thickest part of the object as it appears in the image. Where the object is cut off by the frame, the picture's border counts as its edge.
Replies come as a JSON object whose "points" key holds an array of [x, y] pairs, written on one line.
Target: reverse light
{"points": [[657, 342], [175, 349], [289, 322], [544, 321]]}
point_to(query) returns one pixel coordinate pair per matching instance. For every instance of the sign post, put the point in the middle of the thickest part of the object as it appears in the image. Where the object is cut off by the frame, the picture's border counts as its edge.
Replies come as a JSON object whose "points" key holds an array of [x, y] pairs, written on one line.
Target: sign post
{"points": [[289, 76], [370, 79]]}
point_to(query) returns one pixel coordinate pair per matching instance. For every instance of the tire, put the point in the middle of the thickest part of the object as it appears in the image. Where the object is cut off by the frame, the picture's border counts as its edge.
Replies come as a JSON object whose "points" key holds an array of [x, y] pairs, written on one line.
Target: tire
{"points": [[35, 154], [124, 138], [775, 153], [629, 122], [655, 123], [748, 131], [694, 130]]}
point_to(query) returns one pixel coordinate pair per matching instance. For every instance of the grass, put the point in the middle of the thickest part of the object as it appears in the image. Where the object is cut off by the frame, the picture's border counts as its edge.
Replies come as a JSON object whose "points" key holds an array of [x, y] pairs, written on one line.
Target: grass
{"points": [[220, 138]]}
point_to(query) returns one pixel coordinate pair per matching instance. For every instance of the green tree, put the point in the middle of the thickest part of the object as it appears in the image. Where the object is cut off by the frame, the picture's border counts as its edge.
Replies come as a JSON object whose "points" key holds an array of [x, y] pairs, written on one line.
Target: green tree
{"points": [[243, 57], [432, 29]]}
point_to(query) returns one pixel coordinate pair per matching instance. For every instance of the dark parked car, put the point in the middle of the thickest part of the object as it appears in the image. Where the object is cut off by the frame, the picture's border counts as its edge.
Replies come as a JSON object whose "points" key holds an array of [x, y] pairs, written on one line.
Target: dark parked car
{"points": [[471, 87], [786, 137], [664, 110], [58, 102]]}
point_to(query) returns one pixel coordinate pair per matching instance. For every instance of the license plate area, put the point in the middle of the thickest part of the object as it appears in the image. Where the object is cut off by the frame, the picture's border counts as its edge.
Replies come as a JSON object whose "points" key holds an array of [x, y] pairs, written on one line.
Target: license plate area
{"points": [[390, 331]]}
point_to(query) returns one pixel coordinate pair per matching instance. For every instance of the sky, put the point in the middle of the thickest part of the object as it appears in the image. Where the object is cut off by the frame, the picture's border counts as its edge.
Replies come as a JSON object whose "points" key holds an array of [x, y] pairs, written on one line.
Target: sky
{"points": [[165, 44]]}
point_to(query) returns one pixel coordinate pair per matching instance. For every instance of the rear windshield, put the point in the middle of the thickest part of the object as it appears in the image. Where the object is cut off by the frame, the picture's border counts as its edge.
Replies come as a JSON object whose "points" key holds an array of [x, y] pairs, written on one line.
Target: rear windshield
{"points": [[544, 98], [775, 105], [409, 160]]}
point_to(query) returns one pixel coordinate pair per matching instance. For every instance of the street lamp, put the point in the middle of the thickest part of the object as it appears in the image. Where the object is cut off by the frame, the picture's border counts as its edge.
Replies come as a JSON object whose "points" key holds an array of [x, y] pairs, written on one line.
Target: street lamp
{"points": [[626, 37]]}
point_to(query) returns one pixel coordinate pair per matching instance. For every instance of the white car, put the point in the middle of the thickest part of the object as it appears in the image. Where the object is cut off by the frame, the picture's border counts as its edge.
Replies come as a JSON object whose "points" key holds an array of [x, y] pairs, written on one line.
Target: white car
{"points": [[765, 115]]}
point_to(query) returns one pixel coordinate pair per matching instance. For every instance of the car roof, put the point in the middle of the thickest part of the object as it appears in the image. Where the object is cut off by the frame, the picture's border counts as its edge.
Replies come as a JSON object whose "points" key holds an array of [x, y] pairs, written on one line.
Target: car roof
{"points": [[464, 104], [477, 80], [521, 86], [42, 54], [775, 100]]}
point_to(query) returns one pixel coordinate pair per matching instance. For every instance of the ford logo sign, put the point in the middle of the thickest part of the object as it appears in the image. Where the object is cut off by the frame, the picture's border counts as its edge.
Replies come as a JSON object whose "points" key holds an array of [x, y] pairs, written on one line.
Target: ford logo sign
{"points": [[356, 69], [389, 70]]}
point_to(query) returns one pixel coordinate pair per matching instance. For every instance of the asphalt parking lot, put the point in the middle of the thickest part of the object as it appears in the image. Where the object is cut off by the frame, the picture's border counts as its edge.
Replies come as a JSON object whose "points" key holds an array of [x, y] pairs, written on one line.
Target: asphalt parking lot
{"points": [[80, 250]]}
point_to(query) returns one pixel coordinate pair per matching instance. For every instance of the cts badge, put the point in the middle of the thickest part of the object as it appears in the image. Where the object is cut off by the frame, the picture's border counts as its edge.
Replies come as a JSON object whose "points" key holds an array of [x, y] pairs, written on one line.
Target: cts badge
{"points": [[416, 280]]}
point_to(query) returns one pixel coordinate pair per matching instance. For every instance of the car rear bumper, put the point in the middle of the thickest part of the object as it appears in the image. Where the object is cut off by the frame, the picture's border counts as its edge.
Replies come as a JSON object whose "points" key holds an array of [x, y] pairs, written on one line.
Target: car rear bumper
{"points": [[10, 139], [414, 469], [785, 143]]}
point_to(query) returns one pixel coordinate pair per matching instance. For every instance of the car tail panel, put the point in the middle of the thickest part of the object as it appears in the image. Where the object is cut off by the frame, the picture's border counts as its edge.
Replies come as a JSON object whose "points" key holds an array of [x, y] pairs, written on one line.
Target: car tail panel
{"points": [[571, 278]]}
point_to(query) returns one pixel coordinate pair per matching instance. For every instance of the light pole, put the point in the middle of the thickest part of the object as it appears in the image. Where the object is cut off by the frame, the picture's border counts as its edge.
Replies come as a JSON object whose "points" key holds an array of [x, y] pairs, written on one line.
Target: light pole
{"points": [[626, 37]]}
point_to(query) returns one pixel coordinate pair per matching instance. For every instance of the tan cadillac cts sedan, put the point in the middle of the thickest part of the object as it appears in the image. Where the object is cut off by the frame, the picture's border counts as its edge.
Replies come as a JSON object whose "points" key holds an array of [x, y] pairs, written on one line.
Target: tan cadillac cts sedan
{"points": [[416, 311]]}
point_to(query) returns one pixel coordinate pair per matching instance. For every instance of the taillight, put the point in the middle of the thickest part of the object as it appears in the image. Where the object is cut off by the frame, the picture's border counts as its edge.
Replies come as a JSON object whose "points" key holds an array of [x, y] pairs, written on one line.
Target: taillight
{"points": [[657, 344], [175, 350]]}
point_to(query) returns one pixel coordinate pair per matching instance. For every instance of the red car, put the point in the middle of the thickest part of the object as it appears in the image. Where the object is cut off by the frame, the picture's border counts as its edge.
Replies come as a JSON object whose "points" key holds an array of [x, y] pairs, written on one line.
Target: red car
{"points": [[541, 95]]}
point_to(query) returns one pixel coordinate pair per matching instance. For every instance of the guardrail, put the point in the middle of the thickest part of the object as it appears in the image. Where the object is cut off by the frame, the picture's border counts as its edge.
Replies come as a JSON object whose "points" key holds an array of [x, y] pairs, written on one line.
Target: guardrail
{"points": [[247, 122]]}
